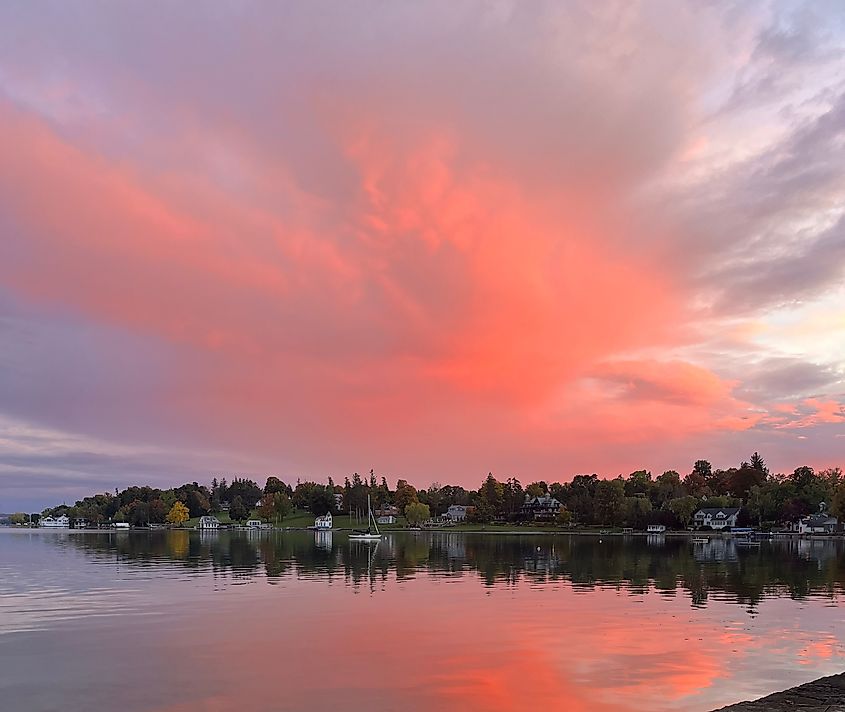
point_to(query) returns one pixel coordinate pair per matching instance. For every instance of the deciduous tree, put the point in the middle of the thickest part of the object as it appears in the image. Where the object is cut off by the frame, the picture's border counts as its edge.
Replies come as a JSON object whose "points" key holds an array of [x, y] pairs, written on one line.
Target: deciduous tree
{"points": [[416, 513], [178, 514]]}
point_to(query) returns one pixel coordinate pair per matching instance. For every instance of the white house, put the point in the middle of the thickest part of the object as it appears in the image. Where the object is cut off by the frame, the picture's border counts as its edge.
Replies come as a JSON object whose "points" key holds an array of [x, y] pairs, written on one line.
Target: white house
{"points": [[716, 517], [817, 524], [54, 522], [386, 519], [253, 523], [656, 528], [209, 522], [324, 522], [457, 512]]}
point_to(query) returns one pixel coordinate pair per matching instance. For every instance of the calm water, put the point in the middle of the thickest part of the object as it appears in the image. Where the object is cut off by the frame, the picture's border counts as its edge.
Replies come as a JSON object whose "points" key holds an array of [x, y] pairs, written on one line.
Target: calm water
{"points": [[178, 621]]}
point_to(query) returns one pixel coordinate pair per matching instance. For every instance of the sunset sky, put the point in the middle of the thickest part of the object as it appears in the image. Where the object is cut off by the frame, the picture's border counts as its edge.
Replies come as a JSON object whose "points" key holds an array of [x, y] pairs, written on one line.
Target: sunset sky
{"points": [[434, 239]]}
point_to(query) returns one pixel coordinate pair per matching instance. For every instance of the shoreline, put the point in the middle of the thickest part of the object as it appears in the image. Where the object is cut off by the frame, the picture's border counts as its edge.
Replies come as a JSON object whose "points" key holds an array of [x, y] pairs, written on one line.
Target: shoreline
{"points": [[527, 531], [827, 694]]}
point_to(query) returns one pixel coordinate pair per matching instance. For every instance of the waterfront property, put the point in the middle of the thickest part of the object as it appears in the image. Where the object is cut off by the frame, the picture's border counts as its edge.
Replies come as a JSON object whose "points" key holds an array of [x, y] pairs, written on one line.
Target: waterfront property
{"points": [[253, 523], [209, 522], [386, 519], [656, 529], [540, 508], [60, 522], [817, 524], [323, 523], [716, 517], [458, 512]]}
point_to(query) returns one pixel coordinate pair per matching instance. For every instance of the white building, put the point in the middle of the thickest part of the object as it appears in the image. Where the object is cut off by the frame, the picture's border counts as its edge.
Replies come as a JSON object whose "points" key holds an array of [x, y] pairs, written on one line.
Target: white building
{"points": [[253, 523], [386, 519], [209, 522], [323, 523], [716, 517], [817, 524], [54, 522], [457, 512], [656, 528]]}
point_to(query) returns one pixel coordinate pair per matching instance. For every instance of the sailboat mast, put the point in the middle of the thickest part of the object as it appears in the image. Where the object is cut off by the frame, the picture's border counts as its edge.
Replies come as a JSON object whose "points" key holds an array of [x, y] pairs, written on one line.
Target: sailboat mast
{"points": [[371, 516]]}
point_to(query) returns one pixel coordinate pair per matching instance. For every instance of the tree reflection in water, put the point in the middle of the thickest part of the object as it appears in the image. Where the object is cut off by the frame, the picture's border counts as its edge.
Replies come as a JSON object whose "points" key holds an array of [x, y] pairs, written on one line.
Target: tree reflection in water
{"points": [[795, 568]]}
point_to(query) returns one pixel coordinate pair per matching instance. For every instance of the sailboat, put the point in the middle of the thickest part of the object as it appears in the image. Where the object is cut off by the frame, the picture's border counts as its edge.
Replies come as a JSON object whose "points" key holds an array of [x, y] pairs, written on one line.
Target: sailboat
{"points": [[371, 533]]}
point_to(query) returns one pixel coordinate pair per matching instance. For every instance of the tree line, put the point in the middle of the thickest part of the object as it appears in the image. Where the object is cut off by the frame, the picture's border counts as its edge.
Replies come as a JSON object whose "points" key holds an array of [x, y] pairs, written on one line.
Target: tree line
{"points": [[636, 500]]}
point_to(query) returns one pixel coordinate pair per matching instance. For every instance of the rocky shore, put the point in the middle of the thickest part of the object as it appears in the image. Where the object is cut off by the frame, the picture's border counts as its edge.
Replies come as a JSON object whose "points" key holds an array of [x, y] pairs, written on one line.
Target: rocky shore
{"points": [[824, 695]]}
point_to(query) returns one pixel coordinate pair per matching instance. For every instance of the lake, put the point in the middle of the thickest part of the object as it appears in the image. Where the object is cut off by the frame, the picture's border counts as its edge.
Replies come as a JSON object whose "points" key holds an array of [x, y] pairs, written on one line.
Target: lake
{"points": [[177, 621]]}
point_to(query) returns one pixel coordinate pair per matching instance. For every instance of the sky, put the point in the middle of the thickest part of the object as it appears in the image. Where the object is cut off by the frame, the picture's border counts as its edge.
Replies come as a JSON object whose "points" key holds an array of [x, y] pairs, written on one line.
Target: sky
{"points": [[432, 239]]}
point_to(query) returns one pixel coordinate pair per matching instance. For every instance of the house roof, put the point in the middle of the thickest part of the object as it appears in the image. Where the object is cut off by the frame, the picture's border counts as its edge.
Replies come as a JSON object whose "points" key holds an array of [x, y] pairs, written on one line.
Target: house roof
{"points": [[545, 499], [713, 511], [819, 520]]}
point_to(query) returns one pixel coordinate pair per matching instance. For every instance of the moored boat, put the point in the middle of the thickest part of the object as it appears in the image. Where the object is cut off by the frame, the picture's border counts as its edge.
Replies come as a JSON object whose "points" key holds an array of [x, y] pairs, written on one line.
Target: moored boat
{"points": [[371, 533]]}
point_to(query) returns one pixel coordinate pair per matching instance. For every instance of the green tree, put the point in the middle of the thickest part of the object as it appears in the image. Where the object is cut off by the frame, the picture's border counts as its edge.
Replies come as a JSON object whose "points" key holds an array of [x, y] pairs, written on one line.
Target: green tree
{"points": [[275, 506], [837, 508], [743, 479], [273, 485], [535, 489], [758, 463], [178, 514], [405, 495], [637, 511], [683, 508], [638, 482], [492, 496], [563, 518], [416, 513], [18, 518], [667, 486], [610, 501], [237, 509], [697, 481]]}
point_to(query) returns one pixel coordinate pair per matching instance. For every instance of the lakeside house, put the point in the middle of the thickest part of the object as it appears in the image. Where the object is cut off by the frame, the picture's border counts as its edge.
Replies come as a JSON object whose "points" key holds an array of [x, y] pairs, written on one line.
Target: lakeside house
{"points": [[457, 512], [543, 507], [387, 510], [323, 523], [656, 528], [821, 523], [54, 522], [716, 517], [386, 519], [209, 522], [253, 523]]}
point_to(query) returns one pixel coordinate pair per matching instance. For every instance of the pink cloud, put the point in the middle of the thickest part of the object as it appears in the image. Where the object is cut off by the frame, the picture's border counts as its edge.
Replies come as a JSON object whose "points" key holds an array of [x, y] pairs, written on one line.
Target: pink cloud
{"points": [[448, 265]]}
